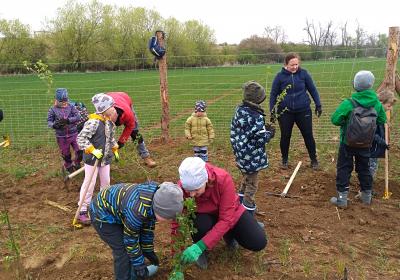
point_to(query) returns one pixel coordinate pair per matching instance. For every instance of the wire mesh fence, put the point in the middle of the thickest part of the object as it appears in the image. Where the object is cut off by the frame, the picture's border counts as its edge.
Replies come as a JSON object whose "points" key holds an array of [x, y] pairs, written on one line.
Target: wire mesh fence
{"points": [[25, 103]]}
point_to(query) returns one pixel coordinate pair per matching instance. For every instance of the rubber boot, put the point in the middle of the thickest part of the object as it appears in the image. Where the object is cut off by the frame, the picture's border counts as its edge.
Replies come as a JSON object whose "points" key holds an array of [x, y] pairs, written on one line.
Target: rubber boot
{"points": [[241, 195], [366, 197], [340, 200], [252, 209]]}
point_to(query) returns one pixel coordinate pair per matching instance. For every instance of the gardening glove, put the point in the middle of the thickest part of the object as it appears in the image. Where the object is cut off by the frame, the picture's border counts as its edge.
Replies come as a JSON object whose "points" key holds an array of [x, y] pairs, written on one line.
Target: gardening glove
{"points": [[141, 271], [271, 129], [57, 124], [318, 111], [177, 275], [98, 153], [193, 252], [152, 257], [120, 145], [115, 151]]}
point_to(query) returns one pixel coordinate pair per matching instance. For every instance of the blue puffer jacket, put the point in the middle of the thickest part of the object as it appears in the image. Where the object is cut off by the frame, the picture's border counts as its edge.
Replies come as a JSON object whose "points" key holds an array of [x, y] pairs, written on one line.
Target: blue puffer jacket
{"points": [[129, 205], [70, 113], [378, 147], [297, 98], [248, 139]]}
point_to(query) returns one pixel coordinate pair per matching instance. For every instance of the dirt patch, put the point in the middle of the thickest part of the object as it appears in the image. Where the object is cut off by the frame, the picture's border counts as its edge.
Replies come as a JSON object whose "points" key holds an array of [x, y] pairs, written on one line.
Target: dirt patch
{"points": [[308, 237]]}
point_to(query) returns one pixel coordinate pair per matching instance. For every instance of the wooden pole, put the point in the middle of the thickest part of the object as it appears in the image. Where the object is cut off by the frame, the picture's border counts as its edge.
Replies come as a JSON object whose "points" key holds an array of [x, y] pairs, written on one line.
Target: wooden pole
{"points": [[162, 65]]}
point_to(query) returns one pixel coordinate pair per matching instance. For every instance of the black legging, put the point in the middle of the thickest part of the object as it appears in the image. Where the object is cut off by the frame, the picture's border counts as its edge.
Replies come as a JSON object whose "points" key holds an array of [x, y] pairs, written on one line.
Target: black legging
{"points": [[247, 231], [303, 121]]}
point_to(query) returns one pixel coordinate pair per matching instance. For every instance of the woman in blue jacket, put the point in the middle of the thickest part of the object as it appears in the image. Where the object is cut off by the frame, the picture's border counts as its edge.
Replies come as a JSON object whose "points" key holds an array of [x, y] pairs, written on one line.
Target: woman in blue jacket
{"points": [[295, 106]]}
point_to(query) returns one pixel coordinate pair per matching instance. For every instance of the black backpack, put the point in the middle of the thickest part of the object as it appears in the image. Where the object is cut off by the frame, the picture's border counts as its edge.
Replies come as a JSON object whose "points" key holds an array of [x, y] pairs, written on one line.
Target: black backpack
{"points": [[155, 47], [361, 126]]}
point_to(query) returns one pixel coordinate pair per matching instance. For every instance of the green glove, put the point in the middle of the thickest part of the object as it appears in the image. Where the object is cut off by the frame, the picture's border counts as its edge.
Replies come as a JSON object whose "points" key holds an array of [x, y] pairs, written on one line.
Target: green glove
{"points": [[98, 153], [193, 252], [177, 276]]}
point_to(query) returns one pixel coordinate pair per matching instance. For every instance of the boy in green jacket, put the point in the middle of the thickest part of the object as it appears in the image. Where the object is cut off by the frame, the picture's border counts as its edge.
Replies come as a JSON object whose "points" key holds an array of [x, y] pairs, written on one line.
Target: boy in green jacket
{"points": [[366, 97], [199, 129]]}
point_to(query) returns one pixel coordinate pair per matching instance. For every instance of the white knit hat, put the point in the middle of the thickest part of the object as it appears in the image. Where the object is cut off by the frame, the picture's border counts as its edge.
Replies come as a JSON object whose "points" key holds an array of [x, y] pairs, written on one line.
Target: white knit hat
{"points": [[193, 173], [102, 102]]}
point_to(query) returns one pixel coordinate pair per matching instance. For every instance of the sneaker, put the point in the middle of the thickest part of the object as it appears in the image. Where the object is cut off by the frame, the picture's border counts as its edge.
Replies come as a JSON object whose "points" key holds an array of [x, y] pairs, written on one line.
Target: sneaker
{"points": [[149, 162], [285, 164], [84, 218], [314, 164], [202, 261]]}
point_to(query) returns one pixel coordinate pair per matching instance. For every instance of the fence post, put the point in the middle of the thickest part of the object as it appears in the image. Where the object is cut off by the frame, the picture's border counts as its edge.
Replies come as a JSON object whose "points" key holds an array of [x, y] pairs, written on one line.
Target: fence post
{"points": [[391, 60], [162, 65]]}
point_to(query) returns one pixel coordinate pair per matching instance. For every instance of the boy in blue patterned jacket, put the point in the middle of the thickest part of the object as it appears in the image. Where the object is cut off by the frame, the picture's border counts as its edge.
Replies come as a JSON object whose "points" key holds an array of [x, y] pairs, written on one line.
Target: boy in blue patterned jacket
{"points": [[249, 134], [124, 216]]}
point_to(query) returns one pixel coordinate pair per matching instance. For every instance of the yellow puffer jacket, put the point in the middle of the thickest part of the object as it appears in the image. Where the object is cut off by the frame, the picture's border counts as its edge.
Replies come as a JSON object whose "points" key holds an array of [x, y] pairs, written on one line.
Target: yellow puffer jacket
{"points": [[200, 129]]}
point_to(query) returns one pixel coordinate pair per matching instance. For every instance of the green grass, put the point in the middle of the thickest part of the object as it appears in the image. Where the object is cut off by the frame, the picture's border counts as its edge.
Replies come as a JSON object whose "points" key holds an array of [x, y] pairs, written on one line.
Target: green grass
{"points": [[25, 102]]}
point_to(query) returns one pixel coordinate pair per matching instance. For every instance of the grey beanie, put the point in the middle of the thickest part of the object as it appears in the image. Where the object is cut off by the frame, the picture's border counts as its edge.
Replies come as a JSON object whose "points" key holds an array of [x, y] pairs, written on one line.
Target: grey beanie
{"points": [[363, 80], [253, 92], [168, 200]]}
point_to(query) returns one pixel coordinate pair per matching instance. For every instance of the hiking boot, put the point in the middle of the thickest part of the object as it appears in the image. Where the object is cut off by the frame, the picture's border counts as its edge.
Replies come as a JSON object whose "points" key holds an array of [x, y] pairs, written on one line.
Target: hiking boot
{"points": [[314, 164], [285, 164], [366, 197], [341, 199], [149, 162], [84, 218], [202, 261]]}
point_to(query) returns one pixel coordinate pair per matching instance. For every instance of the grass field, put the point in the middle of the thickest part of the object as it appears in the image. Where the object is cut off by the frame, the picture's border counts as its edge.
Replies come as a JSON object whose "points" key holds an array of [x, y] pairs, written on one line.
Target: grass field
{"points": [[25, 101]]}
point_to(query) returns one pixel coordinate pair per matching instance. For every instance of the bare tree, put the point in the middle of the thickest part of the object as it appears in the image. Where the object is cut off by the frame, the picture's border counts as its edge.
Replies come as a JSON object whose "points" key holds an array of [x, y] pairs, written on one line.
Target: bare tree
{"points": [[276, 34], [361, 35], [345, 38], [319, 36]]}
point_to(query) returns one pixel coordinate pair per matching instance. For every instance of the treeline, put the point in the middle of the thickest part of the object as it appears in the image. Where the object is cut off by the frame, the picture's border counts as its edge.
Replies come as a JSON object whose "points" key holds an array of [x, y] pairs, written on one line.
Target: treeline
{"points": [[98, 37]]}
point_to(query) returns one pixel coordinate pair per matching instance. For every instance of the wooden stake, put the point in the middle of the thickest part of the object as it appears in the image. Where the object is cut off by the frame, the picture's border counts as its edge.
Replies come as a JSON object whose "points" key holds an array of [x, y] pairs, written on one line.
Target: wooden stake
{"points": [[162, 65], [285, 191], [387, 194]]}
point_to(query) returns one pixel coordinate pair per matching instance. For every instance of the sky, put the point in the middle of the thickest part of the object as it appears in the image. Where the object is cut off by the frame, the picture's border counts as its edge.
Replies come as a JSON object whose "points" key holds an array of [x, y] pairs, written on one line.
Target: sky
{"points": [[235, 20]]}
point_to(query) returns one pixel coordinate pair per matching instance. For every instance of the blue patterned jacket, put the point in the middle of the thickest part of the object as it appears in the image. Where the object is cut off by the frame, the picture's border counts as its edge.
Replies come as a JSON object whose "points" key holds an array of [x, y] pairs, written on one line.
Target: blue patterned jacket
{"points": [[130, 205], [248, 139]]}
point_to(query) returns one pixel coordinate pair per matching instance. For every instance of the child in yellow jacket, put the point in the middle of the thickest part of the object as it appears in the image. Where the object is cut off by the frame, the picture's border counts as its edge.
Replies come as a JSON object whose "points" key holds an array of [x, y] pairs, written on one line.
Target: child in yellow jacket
{"points": [[199, 129]]}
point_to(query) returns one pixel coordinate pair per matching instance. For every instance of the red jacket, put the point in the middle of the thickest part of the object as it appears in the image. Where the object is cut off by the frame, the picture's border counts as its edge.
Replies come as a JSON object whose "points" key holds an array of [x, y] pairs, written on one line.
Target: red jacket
{"points": [[219, 199], [128, 118]]}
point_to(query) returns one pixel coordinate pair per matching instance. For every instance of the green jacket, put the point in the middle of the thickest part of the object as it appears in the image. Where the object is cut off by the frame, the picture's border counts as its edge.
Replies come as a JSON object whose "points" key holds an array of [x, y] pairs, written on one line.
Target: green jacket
{"points": [[200, 129], [366, 98]]}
